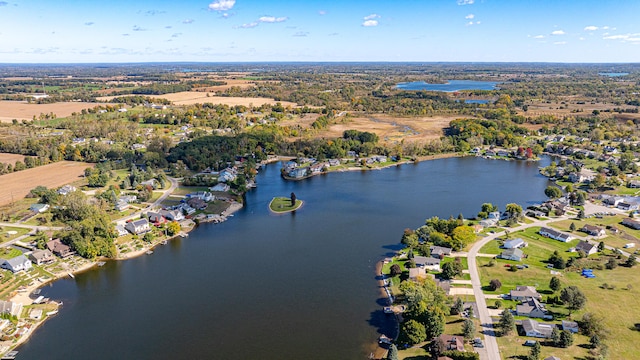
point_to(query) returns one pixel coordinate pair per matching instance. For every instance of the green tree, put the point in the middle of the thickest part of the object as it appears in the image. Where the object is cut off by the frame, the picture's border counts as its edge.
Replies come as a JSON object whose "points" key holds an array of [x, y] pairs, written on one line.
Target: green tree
{"points": [[611, 264], [395, 270], [554, 284], [462, 236], [451, 270], [581, 214], [566, 339], [601, 246], [555, 336], [514, 211], [495, 284], [413, 332], [468, 329], [631, 261], [392, 354], [507, 323], [572, 227], [148, 237], [457, 307], [553, 192], [535, 351], [173, 228], [497, 304], [573, 297]]}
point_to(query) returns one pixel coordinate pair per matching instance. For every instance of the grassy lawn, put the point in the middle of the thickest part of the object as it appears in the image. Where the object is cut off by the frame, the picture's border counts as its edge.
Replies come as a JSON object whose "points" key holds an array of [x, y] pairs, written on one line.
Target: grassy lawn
{"points": [[6, 233], [283, 204], [9, 253], [184, 190], [624, 236], [216, 207], [512, 346]]}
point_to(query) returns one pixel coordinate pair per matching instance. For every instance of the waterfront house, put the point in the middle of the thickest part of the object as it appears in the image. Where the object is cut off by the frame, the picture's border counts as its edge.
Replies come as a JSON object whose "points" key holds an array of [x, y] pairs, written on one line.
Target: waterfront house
{"points": [[439, 252], [334, 162], [536, 329], [156, 218], [40, 257], [57, 247], [173, 215], [531, 307], [138, 227], [632, 223], [571, 326], [220, 187], [450, 342], [39, 208], [16, 264], [197, 203], [593, 230], [121, 231], [556, 235], [298, 173], [512, 254], [514, 244], [428, 263], [11, 308], [202, 195], [586, 247], [521, 293]]}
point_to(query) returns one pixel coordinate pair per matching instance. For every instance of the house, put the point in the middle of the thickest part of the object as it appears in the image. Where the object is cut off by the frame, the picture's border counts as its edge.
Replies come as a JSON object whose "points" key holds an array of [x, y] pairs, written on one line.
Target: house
{"points": [[536, 329], [151, 182], [440, 252], [521, 293], [512, 254], [586, 247], [571, 326], [634, 184], [173, 215], [334, 162], [298, 173], [66, 190], [202, 195], [128, 198], [39, 208], [552, 358], [556, 235], [57, 247], [634, 224], [138, 227], [514, 244], [427, 263], [417, 273], [220, 187], [121, 231], [531, 308], [10, 307], [613, 200], [593, 230], [197, 203], [16, 264], [451, 342], [40, 257], [122, 205], [155, 218], [624, 206], [228, 174]]}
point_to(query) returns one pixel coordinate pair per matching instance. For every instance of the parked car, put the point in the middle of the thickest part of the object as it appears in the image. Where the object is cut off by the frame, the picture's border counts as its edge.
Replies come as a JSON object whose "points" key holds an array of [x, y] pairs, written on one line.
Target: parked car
{"points": [[530, 343]]}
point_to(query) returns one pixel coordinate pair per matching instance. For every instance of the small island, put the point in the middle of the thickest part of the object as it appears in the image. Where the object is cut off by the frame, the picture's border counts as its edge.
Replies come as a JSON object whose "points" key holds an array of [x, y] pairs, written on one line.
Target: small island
{"points": [[284, 204]]}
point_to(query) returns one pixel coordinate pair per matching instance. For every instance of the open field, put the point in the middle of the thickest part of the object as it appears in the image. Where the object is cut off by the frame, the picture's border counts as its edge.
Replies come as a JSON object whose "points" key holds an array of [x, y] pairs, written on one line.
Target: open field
{"points": [[199, 97], [21, 110], [571, 108], [17, 185], [10, 158]]}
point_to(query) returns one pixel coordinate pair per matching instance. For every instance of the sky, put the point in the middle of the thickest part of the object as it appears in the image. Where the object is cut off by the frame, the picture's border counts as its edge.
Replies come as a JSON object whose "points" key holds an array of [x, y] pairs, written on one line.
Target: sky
{"points": [[87, 31]]}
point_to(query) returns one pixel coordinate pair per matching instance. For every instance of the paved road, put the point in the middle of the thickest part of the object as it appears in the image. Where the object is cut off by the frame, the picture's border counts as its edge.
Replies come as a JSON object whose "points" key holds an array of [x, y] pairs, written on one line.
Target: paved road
{"points": [[32, 227]]}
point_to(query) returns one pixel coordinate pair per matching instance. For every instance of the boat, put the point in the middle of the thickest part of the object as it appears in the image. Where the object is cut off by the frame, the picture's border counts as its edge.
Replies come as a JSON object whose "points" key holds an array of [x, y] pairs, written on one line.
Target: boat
{"points": [[101, 263], [385, 340], [164, 242], [71, 275], [10, 355], [149, 252], [53, 312], [38, 300], [184, 235]]}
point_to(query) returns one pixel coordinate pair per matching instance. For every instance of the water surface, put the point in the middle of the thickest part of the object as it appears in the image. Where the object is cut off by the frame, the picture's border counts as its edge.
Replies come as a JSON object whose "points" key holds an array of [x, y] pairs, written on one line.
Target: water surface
{"points": [[449, 86]]}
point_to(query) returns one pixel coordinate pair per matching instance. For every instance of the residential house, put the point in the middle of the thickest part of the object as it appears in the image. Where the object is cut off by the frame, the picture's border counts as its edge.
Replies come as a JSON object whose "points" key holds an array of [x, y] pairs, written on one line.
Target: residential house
{"points": [[514, 244], [451, 342], [66, 190], [634, 184], [16, 264], [173, 215], [587, 247], [531, 308], [57, 247], [138, 146], [512, 254], [536, 329], [632, 223], [138, 227], [228, 174], [220, 187], [625, 206], [571, 326], [10, 307], [122, 205], [428, 263], [151, 182], [317, 168], [40, 257], [197, 203], [613, 200], [556, 235], [503, 153], [185, 208], [128, 198], [202, 195], [334, 162], [298, 173], [440, 252], [417, 273], [120, 230], [156, 218], [39, 208], [521, 293], [593, 230]]}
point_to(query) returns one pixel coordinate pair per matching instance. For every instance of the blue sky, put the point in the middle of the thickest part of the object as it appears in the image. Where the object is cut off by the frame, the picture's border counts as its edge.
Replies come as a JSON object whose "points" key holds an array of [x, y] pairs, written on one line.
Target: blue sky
{"points": [[44, 31]]}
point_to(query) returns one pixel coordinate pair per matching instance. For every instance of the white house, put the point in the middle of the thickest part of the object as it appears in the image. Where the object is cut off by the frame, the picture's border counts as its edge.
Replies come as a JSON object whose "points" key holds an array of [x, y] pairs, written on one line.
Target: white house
{"points": [[428, 263], [172, 215], [40, 257], [512, 254], [16, 264], [531, 308], [66, 190], [138, 226], [514, 244], [556, 235], [586, 247], [536, 329], [523, 292], [121, 230], [220, 187]]}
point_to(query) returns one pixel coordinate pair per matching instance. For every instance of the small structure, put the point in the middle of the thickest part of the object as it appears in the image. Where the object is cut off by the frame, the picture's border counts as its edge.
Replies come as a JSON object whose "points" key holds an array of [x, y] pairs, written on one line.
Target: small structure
{"points": [[10, 307], [66, 190], [514, 244], [428, 263], [531, 307], [632, 223], [138, 227], [16, 264], [536, 329], [512, 254], [521, 293], [556, 235], [586, 247], [57, 247], [593, 230], [40, 257], [450, 342], [121, 230], [39, 208], [571, 326], [439, 252]]}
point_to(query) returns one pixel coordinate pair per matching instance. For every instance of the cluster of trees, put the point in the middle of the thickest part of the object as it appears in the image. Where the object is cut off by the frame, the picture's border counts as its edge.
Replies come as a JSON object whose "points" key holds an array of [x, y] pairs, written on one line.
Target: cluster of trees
{"points": [[449, 233], [425, 313]]}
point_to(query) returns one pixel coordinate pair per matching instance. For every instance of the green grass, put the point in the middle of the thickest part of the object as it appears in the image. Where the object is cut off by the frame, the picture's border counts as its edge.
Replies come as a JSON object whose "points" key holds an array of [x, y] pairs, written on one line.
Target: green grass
{"points": [[184, 190], [7, 237], [283, 204], [9, 253], [625, 236], [511, 347]]}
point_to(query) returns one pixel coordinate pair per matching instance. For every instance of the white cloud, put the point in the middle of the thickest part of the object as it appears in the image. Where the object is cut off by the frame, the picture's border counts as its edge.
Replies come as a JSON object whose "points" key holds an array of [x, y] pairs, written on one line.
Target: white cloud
{"points": [[557, 32], [632, 38], [187, 21], [539, 37], [591, 28], [369, 23], [466, 2], [322, 12], [559, 43], [371, 17], [249, 25], [301, 34], [222, 5], [605, 28], [581, 38], [138, 28], [272, 19], [470, 16], [89, 23]]}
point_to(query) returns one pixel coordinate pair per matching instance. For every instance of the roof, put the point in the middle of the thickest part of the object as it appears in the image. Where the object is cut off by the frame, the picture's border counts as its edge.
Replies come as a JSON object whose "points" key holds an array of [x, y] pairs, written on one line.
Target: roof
{"points": [[530, 305], [592, 228], [41, 254], [569, 324], [552, 358], [525, 291], [140, 222], [531, 325], [428, 261], [18, 260], [513, 243], [437, 250], [584, 246], [512, 252]]}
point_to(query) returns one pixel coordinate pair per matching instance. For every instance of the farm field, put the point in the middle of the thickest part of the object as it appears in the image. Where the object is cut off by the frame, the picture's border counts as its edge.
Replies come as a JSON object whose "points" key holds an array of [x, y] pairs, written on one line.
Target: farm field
{"points": [[21, 110], [196, 97], [10, 158], [17, 185]]}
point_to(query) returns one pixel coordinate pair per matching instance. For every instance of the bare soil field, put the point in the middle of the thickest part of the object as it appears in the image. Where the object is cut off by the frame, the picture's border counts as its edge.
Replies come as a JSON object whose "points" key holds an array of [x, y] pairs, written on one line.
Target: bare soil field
{"points": [[21, 110], [570, 108], [395, 129], [17, 185], [10, 158], [195, 97]]}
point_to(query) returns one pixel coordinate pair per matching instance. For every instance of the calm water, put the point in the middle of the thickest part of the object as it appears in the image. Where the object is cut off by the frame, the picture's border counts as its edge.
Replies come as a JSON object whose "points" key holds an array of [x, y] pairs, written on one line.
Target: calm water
{"points": [[614, 74], [472, 101], [450, 86], [293, 286]]}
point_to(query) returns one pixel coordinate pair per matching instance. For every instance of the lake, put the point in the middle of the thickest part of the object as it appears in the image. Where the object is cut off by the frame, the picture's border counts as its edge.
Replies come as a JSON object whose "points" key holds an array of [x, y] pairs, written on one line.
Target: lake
{"points": [[291, 286], [449, 86], [614, 74]]}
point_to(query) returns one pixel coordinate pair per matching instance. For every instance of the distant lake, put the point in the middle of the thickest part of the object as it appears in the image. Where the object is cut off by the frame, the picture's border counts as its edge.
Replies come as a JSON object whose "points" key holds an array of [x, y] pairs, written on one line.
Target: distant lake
{"points": [[291, 286], [476, 101], [450, 86], [613, 74]]}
